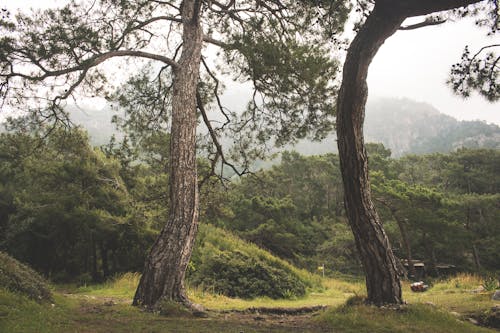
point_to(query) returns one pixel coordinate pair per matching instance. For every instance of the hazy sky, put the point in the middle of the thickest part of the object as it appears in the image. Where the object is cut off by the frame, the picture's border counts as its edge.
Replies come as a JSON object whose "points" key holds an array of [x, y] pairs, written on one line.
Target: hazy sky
{"points": [[411, 64], [416, 64]]}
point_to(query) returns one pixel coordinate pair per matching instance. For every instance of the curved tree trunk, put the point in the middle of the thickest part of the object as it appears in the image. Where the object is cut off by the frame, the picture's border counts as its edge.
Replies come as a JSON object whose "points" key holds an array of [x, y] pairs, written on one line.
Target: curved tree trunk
{"points": [[382, 276], [165, 267]]}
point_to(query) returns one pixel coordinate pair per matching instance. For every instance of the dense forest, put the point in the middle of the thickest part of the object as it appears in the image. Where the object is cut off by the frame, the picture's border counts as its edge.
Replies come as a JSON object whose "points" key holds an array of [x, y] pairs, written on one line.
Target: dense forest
{"points": [[84, 214]]}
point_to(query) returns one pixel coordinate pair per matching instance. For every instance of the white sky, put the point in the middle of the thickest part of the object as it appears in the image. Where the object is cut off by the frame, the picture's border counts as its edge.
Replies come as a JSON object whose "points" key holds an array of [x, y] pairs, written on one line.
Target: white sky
{"points": [[416, 63], [411, 64]]}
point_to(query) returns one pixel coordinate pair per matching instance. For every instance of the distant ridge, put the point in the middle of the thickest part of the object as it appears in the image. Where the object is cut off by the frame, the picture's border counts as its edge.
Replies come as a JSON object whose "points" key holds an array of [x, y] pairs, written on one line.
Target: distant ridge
{"points": [[403, 125], [407, 126]]}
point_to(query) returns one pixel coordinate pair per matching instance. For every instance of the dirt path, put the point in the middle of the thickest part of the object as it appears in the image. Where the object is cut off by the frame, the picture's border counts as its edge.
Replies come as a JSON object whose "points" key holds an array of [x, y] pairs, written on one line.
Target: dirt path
{"points": [[288, 320]]}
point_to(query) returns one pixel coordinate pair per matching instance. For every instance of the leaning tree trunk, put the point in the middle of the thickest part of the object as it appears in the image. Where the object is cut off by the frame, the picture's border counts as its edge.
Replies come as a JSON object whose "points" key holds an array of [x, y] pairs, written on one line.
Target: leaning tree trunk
{"points": [[165, 267], [382, 275]]}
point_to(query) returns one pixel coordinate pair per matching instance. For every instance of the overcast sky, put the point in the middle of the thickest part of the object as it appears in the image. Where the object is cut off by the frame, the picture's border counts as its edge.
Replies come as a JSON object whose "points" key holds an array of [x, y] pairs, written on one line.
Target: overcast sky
{"points": [[411, 64], [416, 64]]}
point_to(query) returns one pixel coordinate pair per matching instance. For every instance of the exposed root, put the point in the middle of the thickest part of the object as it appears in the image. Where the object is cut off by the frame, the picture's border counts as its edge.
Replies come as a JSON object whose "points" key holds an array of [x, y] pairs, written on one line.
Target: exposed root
{"points": [[281, 311]]}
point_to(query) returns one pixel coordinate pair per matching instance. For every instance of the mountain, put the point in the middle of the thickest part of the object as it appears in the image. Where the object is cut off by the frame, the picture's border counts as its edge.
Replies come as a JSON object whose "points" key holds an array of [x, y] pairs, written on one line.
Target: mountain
{"points": [[403, 125], [97, 122], [407, 126]]}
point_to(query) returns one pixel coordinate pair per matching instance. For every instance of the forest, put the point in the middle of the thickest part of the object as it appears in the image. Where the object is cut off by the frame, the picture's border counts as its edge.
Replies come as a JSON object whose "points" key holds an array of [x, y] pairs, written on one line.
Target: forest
{"points": [[177, 219], [94, 211]]}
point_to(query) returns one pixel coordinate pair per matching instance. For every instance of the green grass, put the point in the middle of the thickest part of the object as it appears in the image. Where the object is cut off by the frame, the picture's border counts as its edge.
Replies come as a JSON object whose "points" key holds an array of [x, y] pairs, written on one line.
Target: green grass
{"points": [[87, 309], [455, 294], [18, 314], [122, 286], [334, 292], [411, 318]]}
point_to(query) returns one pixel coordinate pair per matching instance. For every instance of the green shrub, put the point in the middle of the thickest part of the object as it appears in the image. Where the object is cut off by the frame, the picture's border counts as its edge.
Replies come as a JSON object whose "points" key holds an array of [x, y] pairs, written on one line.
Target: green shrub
{"points": [[17, 277], [490, 283], [235, 274], [225, 264]]}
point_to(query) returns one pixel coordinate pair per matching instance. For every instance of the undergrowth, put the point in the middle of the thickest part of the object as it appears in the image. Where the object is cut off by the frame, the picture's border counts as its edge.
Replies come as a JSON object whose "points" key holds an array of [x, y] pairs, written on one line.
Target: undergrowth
{"points": [[19, 278]]}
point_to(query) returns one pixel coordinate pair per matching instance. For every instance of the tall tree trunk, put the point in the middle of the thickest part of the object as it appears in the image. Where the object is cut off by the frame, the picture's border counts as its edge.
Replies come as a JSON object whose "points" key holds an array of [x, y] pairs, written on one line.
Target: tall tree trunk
{"points": [[475, 254], [382, 275], [104, 256], [165, 267], [93, 247], [407, 245]]}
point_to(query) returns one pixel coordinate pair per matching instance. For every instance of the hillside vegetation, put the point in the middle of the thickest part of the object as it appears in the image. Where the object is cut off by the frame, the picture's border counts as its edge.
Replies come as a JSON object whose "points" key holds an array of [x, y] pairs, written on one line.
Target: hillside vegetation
{"points": [[18, 278], [224, 264], [96, 211]]}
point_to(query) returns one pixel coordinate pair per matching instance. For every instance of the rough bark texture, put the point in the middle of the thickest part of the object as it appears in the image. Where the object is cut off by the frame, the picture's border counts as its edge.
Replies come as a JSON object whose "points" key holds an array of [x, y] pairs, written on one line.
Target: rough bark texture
{"points": [[165, 267], [382, 276]]}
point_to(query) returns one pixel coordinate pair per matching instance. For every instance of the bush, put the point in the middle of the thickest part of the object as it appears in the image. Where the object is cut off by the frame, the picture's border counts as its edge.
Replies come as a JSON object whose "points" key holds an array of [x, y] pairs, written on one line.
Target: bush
{"points": [[236, 274], [17, 277], [225, 264]]}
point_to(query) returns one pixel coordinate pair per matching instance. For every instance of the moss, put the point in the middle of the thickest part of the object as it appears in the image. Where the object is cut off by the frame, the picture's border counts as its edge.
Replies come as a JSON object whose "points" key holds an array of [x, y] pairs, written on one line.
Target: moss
{"points": [[19, 278]]}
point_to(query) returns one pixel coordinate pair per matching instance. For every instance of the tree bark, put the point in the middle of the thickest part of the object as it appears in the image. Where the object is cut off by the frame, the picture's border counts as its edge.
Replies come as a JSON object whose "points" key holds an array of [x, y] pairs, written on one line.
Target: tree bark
{"points": [[404, 236], [105, 263], [382, 276], [165, 267], [93, 247], [407, 245]]}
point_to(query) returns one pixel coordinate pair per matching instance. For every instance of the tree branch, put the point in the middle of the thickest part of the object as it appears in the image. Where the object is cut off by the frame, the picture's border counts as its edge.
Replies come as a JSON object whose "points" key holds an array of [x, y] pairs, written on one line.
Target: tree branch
{"points": [[216, 93], [218, 146], [425, 23], [92, 62], [410, 8], [214, 41]]}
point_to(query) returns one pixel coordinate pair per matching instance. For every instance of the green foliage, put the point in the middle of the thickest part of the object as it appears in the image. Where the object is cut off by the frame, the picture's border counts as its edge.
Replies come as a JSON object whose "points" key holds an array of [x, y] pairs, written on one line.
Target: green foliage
{"points": [[223, 263], [19, 278], [95, 213], [490, 283], [68, 209], [296, 82], [291, 209], [447, 203], [339, 251], [477, 72]]}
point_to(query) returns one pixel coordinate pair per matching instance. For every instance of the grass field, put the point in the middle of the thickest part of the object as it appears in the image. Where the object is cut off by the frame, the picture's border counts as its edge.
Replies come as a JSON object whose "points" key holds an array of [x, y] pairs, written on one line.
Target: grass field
{"points": [[106, 308]]}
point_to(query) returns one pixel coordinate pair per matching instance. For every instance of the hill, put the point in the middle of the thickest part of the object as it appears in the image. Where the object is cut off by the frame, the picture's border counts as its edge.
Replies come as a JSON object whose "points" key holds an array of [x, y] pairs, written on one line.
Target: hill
{"points": [[96, 121], [403, 125], [407, 126]]}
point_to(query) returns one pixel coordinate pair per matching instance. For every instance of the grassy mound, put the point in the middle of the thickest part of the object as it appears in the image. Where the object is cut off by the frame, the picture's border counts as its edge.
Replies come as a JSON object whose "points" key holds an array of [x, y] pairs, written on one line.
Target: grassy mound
{"points": [[356, 317], [225, 264], [19, 278]]}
